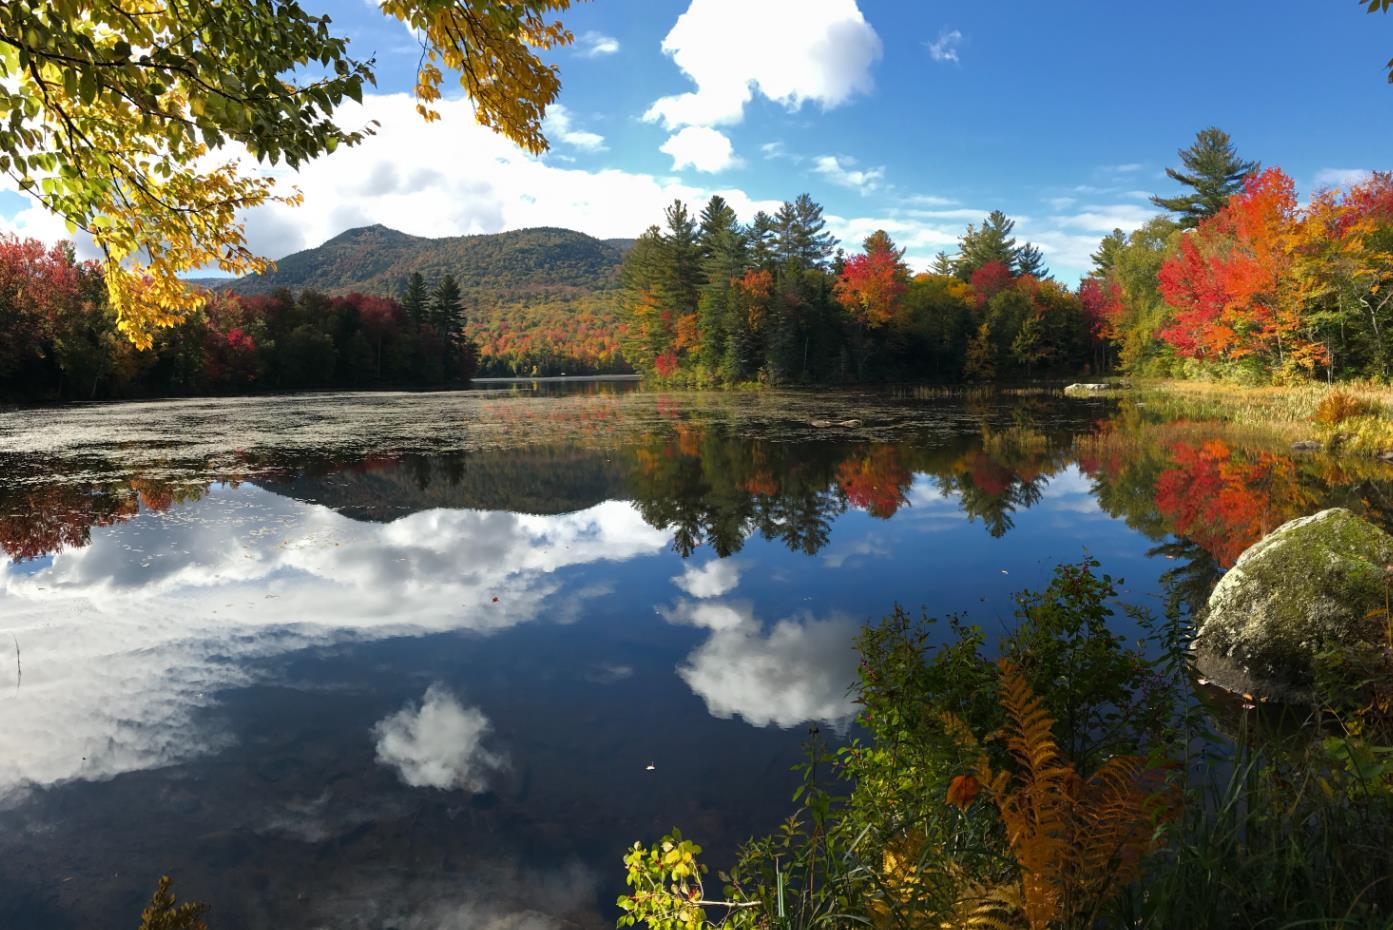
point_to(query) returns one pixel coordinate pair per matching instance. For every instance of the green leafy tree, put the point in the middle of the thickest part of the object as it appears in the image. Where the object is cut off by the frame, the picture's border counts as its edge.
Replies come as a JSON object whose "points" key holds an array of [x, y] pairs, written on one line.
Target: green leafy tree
{"points": [[1213, 171]]}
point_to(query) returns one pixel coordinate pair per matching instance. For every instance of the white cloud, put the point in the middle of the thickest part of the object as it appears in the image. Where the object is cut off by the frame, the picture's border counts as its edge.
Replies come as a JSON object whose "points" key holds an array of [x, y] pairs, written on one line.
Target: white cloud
{"points": [[1341, 177], [798, 671], [945, 47], [439, 744], [701, 148], [840, 171], [791, 51], [715, 578], [594, 44], [454, 177], [138, 626], [559, 125]]}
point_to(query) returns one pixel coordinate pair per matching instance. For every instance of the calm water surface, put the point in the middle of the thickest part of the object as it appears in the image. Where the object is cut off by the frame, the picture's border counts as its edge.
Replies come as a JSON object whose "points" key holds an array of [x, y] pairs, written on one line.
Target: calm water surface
{"points": [[405, 661]]}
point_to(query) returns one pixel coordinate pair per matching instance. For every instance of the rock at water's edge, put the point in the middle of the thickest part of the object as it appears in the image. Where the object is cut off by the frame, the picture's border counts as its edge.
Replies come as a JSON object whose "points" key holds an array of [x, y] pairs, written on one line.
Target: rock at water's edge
{"points": [[1310, 584]]}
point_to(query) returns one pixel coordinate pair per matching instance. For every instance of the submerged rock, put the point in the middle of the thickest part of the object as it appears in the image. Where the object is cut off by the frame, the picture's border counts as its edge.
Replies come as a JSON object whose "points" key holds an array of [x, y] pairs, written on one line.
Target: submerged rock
{"points": [[1310, 584]]}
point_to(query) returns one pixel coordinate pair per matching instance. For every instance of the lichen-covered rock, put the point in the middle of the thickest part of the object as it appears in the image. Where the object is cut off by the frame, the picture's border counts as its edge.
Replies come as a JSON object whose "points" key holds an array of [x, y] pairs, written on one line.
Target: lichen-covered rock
{"points": [[1308, 585]]}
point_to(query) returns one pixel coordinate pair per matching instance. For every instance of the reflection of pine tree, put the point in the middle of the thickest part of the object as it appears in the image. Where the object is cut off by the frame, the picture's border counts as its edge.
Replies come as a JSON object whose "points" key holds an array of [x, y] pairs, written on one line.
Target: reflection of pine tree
{"points": [[1189, 584]]}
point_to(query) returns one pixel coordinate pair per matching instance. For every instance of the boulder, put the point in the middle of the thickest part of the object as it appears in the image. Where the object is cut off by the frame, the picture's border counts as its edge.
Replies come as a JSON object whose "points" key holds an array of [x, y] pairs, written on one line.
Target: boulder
{"points": [[1305, 445], [1310, 584], [1087, 388]]}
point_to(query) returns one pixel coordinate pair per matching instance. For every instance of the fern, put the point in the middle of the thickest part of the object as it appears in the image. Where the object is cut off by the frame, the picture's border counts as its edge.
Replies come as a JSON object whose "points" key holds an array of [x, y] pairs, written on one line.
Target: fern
{"points": [[1077, 841]]}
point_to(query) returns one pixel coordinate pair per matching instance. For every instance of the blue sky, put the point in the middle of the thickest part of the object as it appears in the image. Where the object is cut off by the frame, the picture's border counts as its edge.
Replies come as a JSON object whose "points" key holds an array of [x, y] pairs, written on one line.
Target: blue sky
{"points": [[915, 116]]}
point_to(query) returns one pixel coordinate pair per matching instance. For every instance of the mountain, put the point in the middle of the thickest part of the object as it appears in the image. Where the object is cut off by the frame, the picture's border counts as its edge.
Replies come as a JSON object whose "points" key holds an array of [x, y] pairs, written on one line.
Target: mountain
{"points": [[538, 301], [378, 260]]}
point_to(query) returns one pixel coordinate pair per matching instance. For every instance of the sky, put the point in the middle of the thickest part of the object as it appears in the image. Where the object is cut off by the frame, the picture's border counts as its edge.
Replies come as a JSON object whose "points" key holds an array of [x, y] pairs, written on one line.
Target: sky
{"points": [[915, 116]]}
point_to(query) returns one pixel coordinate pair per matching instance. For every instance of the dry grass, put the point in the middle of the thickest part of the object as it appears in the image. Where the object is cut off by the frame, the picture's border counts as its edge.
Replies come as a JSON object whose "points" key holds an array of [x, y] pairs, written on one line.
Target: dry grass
{"points": [[1351, 417]]}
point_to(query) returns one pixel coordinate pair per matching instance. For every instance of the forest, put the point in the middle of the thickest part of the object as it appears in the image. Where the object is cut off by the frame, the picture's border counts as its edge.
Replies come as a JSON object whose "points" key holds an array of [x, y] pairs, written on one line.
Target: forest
{"points": [[708, 300], [1237, 280], [59, 337]]}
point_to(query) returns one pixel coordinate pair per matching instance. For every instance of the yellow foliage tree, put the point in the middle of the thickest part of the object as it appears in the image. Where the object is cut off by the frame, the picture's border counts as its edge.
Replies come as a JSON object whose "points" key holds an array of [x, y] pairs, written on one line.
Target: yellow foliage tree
{"points": [[112, 113]]}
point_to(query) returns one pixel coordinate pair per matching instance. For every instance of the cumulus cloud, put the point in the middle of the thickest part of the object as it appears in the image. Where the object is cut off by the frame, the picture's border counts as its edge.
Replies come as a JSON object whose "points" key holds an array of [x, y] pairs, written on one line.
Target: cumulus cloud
{"points": [[701, 148], [841, 171], [715, 578], [798, 671], [438, 744], [790, 51], [592, 44], [560, 126], [945, 47]]}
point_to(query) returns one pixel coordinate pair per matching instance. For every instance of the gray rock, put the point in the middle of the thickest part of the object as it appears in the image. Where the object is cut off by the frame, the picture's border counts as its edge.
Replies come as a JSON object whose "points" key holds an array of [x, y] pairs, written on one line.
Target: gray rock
{"points": [[1087, 388], [850, 424], [1305, 445], [1310, 584], [821, 424]]}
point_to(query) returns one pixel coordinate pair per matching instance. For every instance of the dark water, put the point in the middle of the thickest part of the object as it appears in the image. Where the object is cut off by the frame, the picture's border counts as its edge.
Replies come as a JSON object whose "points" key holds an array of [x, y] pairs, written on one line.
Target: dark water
{"points": [[405, 660]]}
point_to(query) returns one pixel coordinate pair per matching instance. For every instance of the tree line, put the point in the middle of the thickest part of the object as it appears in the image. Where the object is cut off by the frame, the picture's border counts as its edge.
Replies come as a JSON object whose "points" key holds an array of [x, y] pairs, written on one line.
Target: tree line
{"points": [[707, 299], [60, 338], [1242, 281]]}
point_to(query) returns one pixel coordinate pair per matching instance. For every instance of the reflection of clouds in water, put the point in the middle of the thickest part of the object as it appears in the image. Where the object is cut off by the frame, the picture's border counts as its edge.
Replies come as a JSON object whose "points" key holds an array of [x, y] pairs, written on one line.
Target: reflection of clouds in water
{"points": [[800, 670], [126, 639], [487, 897], [839, 555], [439, 744], [715, 578], [1071, 490]]}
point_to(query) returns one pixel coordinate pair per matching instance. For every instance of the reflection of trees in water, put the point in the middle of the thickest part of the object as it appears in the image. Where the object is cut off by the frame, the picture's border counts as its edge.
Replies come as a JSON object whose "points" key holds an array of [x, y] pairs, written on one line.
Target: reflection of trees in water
{"points": [[44, 519]]}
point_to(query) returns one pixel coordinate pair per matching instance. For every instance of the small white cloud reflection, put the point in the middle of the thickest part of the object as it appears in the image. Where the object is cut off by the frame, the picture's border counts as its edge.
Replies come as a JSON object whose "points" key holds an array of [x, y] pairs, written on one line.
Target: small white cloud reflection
{"points": [[800, 670], [715, 578], [127, 638], [439, 744]]}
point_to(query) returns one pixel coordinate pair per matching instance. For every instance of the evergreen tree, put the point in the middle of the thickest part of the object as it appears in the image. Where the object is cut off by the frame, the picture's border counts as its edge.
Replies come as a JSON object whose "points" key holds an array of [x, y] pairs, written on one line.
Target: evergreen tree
{"points": [[682, 253], [1109, 250], [942, 264], [414, 298], [1213, 171], [1031, 261], [801, 235], [724, 257], [447, 309], [992, 242], [763, 250]]}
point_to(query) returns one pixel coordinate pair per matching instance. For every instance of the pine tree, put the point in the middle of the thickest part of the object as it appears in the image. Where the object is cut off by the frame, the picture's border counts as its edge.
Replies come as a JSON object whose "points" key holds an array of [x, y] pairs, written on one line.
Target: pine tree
{"points": [[942, 264], [1031, 261], [1214, 173], [724, 251], [992, 242], [446, 308], [1109, 249], [763, 251], [801, 237], [414, 299]]}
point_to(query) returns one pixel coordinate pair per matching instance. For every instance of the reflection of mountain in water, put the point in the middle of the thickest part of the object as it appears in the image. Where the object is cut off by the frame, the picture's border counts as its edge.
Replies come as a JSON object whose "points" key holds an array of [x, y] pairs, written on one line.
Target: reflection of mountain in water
{"points": [[539, 480]]}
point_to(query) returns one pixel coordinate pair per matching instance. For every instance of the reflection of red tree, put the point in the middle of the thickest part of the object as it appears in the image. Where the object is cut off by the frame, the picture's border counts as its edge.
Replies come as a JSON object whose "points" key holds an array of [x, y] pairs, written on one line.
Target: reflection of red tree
{"points": [[46, 520], [1221, 501], [876, 482], [990, 476]]}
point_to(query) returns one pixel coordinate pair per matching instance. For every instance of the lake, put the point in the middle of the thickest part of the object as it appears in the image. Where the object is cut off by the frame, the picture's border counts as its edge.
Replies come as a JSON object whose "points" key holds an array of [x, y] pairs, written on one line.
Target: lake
{"points": [[434, 660]]}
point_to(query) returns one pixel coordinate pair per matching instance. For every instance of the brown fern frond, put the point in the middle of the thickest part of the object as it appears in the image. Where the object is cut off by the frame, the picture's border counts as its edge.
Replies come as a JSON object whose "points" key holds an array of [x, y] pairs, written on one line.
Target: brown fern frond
{"points": [[997, 908]]}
